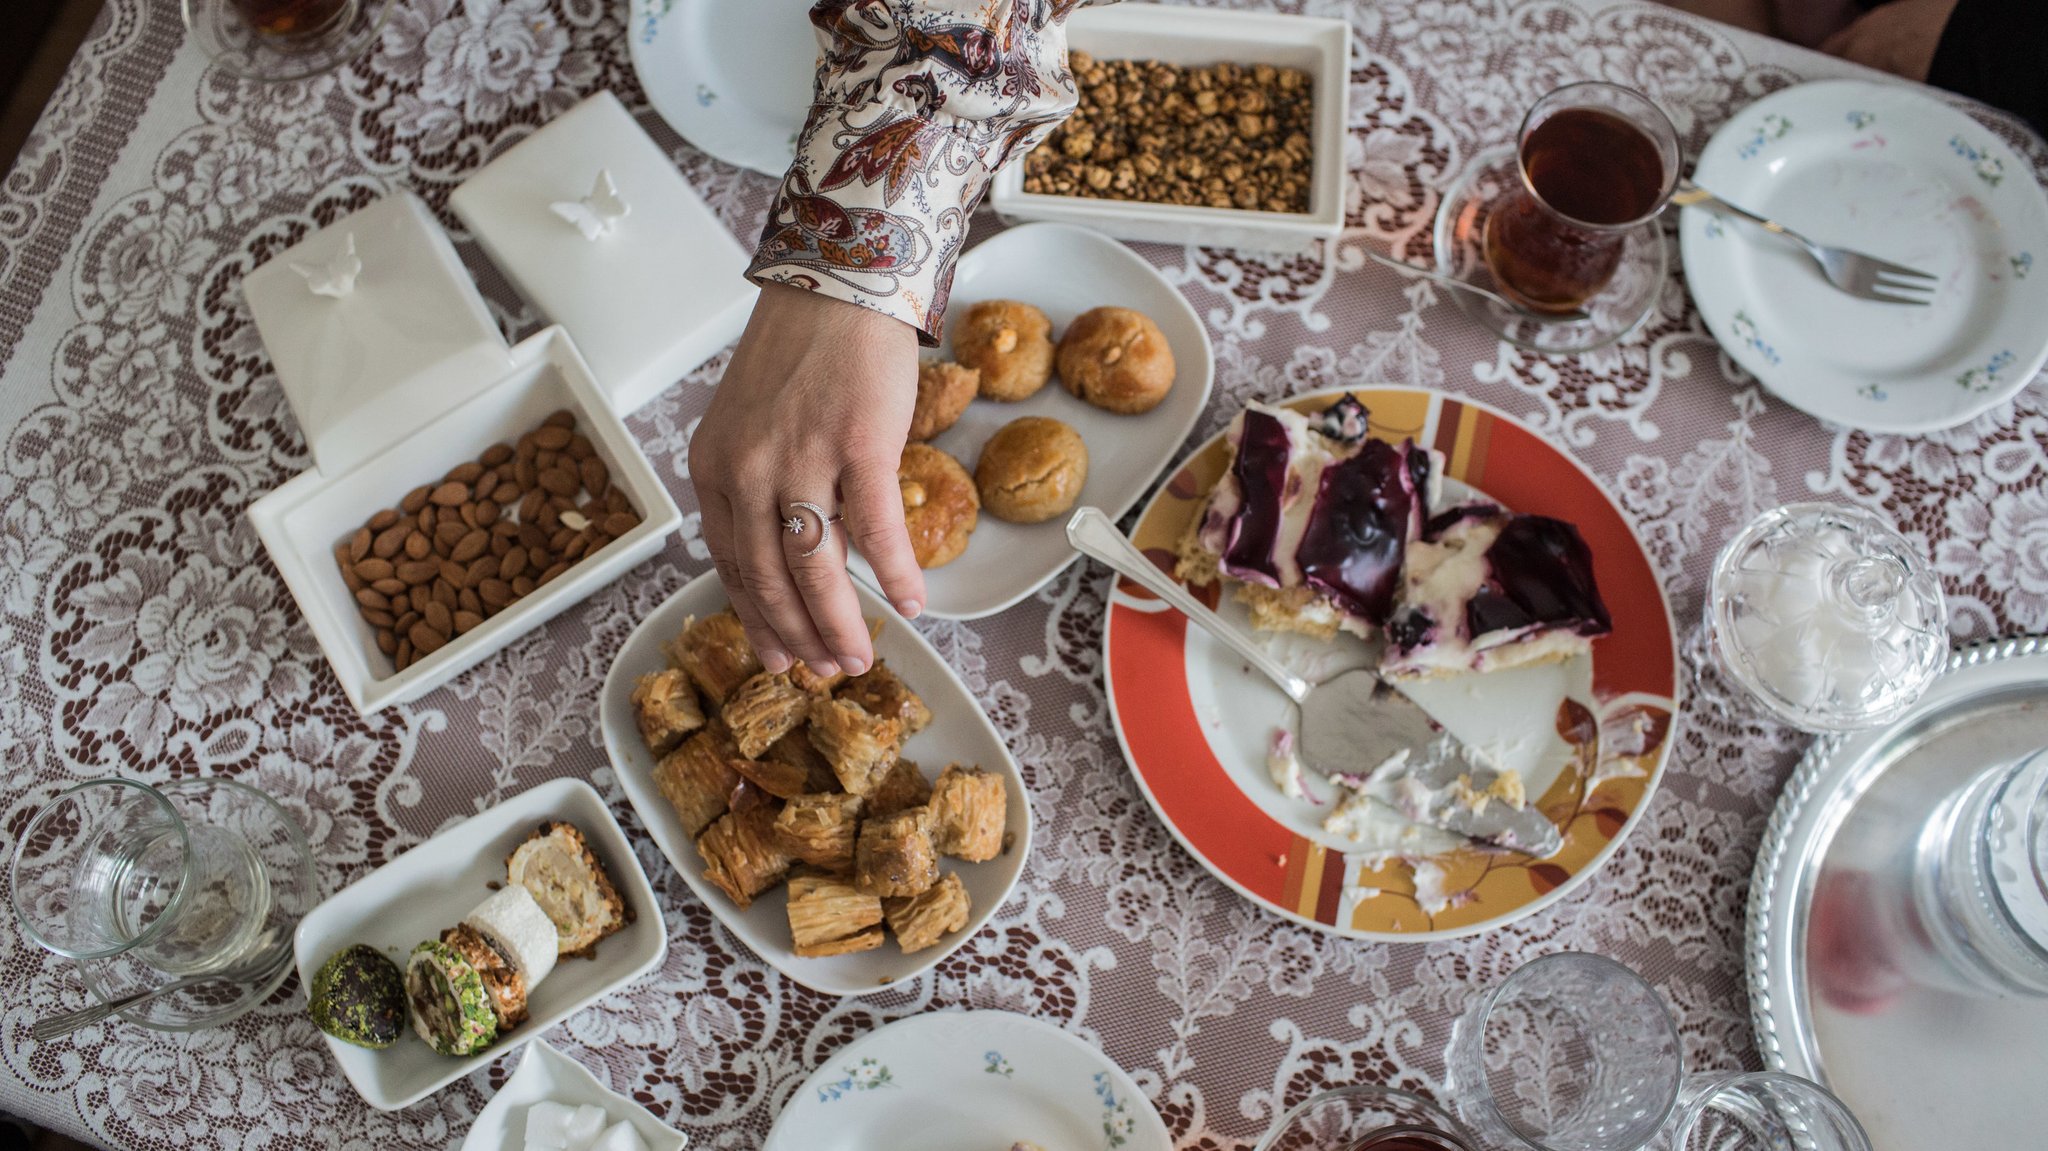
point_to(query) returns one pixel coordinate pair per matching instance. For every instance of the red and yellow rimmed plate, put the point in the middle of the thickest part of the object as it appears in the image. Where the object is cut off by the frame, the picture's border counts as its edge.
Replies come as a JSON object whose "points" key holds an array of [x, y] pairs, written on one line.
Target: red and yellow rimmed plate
{"points": [[1589, 736]]}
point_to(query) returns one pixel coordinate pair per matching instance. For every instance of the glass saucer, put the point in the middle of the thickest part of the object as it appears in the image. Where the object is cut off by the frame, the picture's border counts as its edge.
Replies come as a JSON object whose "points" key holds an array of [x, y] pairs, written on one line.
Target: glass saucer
{"points": [[223, 33], [294, 889], [1615, 312]]}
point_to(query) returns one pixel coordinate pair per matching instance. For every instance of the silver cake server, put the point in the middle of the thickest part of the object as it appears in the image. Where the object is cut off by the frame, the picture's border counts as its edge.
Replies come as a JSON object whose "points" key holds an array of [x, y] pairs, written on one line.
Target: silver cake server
{"points": [[1352, 723]]}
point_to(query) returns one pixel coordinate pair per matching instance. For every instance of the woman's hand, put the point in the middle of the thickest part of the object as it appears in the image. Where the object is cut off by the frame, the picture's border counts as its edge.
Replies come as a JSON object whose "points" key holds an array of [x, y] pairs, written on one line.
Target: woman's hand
{"points": [[814, 407]]}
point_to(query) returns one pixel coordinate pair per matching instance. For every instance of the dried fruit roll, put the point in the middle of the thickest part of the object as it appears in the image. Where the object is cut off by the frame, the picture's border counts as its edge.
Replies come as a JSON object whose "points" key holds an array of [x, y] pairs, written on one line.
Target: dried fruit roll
{"points": [[500, 979], [451, 1008], [556, 865], [515, 924]]}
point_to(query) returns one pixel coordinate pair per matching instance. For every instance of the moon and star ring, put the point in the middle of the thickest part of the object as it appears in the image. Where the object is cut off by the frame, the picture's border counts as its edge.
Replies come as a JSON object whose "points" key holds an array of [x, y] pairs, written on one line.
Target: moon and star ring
{"points": [[796, 525]]}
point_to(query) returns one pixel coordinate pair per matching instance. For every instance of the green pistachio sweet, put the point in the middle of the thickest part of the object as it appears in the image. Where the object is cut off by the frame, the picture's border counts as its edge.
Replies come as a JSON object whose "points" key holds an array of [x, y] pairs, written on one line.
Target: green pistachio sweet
{"points": [[358, 996]]}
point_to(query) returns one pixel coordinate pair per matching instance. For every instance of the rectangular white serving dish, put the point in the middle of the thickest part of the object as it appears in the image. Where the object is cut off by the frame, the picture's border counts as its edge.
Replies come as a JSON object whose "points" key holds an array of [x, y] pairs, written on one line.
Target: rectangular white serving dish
{"points": [[959, 733], [1198, 36], [431, 887], [305, 517]]}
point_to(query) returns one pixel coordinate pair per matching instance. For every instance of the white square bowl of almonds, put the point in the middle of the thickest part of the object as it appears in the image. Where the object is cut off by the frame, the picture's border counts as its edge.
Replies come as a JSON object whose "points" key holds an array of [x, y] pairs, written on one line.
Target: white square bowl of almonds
{"points": [[852, 832], [367, 565], [1195, 126]]}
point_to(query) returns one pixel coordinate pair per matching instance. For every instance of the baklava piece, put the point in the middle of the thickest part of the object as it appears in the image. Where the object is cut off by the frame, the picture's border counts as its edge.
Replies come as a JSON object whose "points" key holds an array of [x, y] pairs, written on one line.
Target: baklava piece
{"points": [[806, 680], [968, 810], [763, 710], [795, 750], [781, 780], [742, 853], [820, 830], [881, 692], [895, 855], [697, 780], [557, 867], [903, 787], [859, 745], [715, 652], [832, 917], [666, 706], [921, 920]]}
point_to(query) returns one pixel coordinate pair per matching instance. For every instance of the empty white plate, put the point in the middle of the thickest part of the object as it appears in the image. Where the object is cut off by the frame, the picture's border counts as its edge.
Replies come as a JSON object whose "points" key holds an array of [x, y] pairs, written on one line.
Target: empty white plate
{"points": [[953, 1080], [959, 733], [733, 77], [1063, 270], [1888, 170]]}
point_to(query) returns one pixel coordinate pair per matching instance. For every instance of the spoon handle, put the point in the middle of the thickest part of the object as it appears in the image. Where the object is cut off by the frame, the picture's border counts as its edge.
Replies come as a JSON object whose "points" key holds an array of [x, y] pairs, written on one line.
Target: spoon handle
{"points": [[1092, 534], [58, 1025]]}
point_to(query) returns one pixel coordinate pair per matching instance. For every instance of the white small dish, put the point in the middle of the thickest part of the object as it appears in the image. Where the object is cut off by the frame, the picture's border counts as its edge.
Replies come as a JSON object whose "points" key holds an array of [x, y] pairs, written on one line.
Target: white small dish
{"points": [[546, 1074], [1064, 271], [1199, 36], [431, 887], [959, 733], [734, 79], [1889, 170], [956, 1079]]}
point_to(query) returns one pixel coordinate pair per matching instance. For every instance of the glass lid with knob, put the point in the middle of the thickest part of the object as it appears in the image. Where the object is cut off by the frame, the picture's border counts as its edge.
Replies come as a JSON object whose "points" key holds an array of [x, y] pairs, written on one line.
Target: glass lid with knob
{"points": [[1828, 616]]}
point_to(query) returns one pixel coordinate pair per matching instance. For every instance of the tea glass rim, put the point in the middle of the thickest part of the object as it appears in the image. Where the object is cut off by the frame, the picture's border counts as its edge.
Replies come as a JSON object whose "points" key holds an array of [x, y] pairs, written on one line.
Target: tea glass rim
{"points": [[164, 917], [1671, 173], [1476, 1017], [1428, 1106], [1702, 1088]]}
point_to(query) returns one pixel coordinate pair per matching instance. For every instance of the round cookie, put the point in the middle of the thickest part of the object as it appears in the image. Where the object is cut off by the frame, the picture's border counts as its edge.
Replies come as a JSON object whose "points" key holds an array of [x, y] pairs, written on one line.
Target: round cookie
{"points": [[1031, 470], [943, 392], [940, 505], [1116, 359], [1009, 343]]}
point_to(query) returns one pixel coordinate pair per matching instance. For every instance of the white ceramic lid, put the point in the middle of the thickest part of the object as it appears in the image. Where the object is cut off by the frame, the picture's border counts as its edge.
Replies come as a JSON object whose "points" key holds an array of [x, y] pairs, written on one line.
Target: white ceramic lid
{"points": [[658, 288], [405, 342]]}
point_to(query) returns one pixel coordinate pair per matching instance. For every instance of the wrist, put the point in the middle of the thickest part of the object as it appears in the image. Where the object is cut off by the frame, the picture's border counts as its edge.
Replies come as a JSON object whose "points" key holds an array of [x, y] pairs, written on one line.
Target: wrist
{"points": [[793, 310]]}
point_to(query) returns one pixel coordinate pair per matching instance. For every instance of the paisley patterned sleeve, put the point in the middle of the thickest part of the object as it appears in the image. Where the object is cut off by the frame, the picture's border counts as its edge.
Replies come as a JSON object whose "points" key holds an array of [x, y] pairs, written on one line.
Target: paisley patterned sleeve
{"points": [[917, 103]]}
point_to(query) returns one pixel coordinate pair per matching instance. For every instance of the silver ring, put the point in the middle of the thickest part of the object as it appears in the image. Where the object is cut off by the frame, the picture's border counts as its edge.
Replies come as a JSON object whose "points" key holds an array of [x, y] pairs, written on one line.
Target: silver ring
{"points": [[796, 526]]}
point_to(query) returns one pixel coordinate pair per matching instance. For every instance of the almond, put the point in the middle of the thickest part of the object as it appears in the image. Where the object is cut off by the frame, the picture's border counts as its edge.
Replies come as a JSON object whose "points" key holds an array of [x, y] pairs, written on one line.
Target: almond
{"points": [[619, 523], [415, 499], [372, 598], [497, 454], [359, 544], [404, 656], [533, 537], [467, 514], [523, 586], [389, 586], [507, 528], [472, 546], [405, 621], [553, 571], [454, 573], [546, 458], [350, 579], [526, 473], [500, 545], [390, 540], [465, 620], [449, 494], [579, 448], [465, 473], [447, 535], [444, 595], [513, 563], [576, 546], [386, 642], [418, 546], [419, 571], [480, 569], [551, 437], [485, 485], [494, 592], [595, 476], [377, 618], [487, 513], [375, 569], [383, 519], [560, 418], [421, 597], [439, 618], [615, 501], [469, 601], [427, 519]]}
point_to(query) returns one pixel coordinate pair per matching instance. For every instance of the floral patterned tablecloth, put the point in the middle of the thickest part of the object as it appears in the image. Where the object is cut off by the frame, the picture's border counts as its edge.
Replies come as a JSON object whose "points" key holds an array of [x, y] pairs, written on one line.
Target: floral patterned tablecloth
{"points": [[142, 630]]}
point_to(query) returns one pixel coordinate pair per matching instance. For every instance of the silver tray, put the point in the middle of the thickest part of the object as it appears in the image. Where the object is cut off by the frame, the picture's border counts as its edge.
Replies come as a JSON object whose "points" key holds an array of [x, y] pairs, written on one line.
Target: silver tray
{"points": [[1924, 1069]]}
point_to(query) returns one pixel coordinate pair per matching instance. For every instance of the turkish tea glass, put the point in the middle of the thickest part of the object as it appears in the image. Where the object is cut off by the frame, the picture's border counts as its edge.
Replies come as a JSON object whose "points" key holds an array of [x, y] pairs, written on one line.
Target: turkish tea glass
{"points": [[1366, 1117], [281, 40], [1762, 1111], [1572, 1052], [1827, 616], [110, 868], [1597, 161]]}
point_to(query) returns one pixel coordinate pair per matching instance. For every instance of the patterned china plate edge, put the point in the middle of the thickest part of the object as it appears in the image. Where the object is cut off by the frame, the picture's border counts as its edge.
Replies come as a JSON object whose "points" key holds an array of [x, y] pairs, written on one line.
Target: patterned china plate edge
{"points": [[1115, 1104], [1532, 472], [1814, 776]]}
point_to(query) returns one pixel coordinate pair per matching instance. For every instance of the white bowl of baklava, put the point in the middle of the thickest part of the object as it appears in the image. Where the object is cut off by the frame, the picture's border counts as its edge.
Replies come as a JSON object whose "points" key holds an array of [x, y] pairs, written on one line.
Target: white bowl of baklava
{"points": [[852, 831]]}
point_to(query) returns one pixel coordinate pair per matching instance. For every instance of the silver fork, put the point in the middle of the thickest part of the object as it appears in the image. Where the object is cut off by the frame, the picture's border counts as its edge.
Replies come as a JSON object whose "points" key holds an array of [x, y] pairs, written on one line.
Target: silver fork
{"points": [[1860, 275], [268, 955]]}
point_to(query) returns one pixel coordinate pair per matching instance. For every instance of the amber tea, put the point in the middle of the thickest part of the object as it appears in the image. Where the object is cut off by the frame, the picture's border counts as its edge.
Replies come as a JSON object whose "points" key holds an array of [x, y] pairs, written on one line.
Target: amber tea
{"points": [[295, 19]]}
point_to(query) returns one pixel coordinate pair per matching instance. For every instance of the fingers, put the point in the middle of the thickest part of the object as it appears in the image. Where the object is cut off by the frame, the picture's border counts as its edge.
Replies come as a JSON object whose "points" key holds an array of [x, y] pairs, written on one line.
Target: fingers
{"points": [[718, 537], [827, 592], [764, 573], [874, 516]]}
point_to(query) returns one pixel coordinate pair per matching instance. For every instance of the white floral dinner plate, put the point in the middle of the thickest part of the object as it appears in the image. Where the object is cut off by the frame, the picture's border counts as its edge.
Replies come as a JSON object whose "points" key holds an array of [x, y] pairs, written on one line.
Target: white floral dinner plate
{"points": [[733, 77], [954, 1080], [432, 886], [1063, 270], [1888, 170], [959, 733], [546, 1074]]}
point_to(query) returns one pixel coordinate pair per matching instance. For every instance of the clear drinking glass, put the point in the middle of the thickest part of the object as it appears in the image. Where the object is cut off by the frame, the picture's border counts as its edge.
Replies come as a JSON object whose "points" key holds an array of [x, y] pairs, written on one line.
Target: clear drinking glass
{"points": [[109, 868], [1980, 880], [1597, 161], [1366, 1117], [1828, 616], [1762, 1111], [284, 39], [1572, 1052]]}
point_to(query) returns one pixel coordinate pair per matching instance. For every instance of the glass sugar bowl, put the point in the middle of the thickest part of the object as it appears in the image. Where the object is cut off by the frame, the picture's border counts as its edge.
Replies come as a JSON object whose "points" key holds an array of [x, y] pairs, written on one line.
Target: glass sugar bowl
{"points": [[1827, 616]]}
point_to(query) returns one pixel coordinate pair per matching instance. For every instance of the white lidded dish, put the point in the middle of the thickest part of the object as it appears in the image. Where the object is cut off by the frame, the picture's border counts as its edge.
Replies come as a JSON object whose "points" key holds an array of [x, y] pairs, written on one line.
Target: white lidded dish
{"points": [[656, 286], [1197, 37], [387, 403]]}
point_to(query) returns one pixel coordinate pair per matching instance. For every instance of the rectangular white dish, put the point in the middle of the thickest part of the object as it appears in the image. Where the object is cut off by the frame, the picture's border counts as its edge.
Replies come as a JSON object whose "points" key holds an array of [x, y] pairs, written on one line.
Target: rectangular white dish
{"points": [[302, 521], [959, 733], [1199, 36], [431, 887]]}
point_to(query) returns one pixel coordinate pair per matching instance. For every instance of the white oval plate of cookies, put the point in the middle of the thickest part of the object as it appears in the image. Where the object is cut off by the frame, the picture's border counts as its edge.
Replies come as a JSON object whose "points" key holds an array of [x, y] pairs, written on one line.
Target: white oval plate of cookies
{"points": [[1062, 271], [957, 732]]}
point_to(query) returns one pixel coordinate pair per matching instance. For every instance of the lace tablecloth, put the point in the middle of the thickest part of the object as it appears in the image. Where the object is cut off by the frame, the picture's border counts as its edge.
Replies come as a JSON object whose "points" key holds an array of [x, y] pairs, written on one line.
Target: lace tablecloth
{"points": [[143, 631]]}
